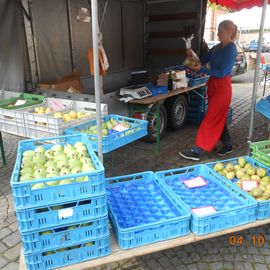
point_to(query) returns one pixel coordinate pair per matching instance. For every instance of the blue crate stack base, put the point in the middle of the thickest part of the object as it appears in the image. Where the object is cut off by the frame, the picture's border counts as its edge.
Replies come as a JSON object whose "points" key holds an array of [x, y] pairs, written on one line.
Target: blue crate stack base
{"points": [[198, 106], [143, 212], [232, 206], [66, 222], [263, 207]]}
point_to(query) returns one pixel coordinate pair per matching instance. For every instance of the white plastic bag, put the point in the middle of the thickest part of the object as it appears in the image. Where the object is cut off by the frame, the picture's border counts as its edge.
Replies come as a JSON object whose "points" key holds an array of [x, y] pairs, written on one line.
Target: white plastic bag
{"points": [[192, 59]]}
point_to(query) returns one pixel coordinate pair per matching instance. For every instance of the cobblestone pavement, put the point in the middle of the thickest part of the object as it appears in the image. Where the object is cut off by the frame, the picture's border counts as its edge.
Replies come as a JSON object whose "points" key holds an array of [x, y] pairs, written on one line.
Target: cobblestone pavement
{"points": [[139, 156]]}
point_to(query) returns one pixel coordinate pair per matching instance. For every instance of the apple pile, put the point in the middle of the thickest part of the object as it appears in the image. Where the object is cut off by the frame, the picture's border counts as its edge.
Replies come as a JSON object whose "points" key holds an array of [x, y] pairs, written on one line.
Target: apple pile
{"points": [[107, 128], [245, 171], [57, 161], [71, 115]]}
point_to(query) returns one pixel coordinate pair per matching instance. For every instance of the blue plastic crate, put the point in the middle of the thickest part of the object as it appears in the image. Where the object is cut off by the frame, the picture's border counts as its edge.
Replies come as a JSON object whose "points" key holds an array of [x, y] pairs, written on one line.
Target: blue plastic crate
{"points": [[26, 197], [263, 207], [75, 254], [157, 90], [61, 214], [61, 237], [263, 107], [117, 139], [142, 212], [234, 207]]}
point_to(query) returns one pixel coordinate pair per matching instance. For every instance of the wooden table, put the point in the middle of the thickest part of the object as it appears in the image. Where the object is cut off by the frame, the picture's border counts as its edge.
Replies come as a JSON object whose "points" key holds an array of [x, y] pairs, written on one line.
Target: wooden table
{"points": [[117, 254], [157, 99]]}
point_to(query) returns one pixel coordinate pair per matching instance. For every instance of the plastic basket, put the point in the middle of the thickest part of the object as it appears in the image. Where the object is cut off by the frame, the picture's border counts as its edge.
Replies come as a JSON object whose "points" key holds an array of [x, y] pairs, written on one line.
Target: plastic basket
{"points": [[45, 218], [263, 107], [263, 207], [30, 100], [260, 151], [26, 197], [233, 206], [142, 212], [196, 78], [12, 121], [75, 254], [40, 126], [61, 237], [117, 139]]}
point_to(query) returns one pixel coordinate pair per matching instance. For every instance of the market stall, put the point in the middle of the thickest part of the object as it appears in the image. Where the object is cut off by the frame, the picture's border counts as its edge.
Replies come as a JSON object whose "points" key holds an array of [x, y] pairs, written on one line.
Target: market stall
{"points": [[143, 208]]}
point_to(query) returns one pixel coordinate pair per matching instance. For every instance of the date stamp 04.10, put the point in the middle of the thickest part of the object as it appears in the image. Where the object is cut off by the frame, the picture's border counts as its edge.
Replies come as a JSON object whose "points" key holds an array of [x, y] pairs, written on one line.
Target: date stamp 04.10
{"points": [[251, 240]]}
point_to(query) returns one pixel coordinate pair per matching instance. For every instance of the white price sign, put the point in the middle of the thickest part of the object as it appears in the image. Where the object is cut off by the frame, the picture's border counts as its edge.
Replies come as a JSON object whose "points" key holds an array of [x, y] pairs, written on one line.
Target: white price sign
{"points": [[248, 185], [120, 128], [65, 213], [195, 182], [204, 211]]}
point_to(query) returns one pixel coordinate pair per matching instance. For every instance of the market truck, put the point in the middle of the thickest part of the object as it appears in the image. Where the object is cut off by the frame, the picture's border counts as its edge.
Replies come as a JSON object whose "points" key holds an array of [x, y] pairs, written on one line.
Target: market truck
{"points": [[52, 38]]}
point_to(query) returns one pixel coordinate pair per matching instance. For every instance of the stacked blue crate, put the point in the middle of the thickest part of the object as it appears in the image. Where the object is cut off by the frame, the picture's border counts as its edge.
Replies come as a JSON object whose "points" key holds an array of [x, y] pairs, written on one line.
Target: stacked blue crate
{"points": [[62, 219], [198, 105]]}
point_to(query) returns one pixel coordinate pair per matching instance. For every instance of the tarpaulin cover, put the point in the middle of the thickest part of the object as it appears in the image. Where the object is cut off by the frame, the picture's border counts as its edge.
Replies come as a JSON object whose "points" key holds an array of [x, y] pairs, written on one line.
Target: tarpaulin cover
{"points": [[11, 47], [239, 4]]}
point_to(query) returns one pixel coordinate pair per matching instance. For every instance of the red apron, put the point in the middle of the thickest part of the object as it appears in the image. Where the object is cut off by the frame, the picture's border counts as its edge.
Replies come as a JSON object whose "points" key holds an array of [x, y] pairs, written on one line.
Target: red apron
{"points": [[219, 91]]}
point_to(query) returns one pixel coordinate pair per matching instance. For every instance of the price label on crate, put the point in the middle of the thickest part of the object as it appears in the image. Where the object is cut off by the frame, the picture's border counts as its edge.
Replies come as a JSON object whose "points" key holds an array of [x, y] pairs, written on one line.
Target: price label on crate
{"points": [[65, 213], [119, 128], [195, 182], [248, 185], [204, 211]]}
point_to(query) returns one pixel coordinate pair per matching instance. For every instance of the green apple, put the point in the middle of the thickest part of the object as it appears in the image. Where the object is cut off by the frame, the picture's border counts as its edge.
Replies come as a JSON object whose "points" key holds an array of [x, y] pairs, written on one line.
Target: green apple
{"points": [[79, 144], [40, 150], [28, 153], [67, 148], [64, 171], [242, 162], [51, 163], [57, 207], [75, 163], [28, 163], [45, 233], [72, 227], [57, 148], [39, 158], [27, 159], [65, 182], [40, 173], [74, 247], [26, 177], [52, 170], [88, 168], [71, 153], [62, 249], [49, 154], [86, 160], [48, 253], [27, 170], [38, 186], [82, 179], [76, 170], [88, 244], [80, 149], [83, 154], [261, 172]]}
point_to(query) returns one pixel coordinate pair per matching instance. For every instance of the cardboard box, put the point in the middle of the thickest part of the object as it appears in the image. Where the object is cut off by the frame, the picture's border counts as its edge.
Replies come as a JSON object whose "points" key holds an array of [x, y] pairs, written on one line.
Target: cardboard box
{"points": [[68, 83]]}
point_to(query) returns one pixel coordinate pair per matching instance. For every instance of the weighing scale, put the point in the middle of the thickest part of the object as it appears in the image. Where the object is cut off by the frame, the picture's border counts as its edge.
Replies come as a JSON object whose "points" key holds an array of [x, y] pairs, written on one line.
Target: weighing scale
{"points": [[134, 92]]}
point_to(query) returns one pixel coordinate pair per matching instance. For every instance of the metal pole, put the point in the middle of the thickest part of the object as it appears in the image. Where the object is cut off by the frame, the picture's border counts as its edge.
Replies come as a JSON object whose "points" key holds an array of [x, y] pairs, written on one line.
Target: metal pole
{"points": [[95, 31], [256, 75]]}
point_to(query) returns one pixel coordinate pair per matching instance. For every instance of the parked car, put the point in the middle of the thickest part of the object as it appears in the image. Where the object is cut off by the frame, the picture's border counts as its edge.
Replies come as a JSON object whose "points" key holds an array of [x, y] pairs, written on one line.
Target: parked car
{"points": [[253, 46], [240, 65]]}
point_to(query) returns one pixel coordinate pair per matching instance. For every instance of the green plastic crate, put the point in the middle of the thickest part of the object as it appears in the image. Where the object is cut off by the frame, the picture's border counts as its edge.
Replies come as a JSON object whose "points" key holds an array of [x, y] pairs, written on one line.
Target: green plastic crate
{"points": [[30, 100], [260, 151]]}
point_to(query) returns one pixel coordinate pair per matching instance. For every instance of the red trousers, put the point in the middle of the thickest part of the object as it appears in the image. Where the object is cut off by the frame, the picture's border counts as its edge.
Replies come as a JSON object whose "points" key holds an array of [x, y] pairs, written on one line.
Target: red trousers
{"points": [[219, 92]]}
